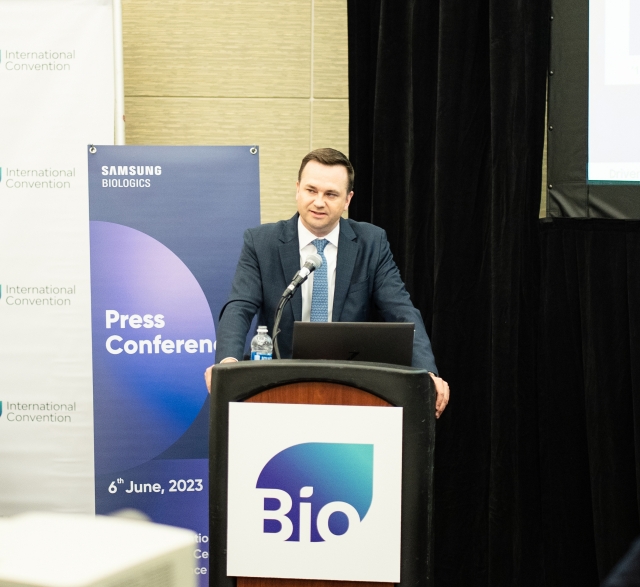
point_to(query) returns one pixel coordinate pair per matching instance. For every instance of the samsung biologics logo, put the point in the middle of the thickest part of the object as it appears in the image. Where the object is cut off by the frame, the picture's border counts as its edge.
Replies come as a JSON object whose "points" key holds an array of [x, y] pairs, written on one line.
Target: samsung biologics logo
{"points": [[137, 176]]}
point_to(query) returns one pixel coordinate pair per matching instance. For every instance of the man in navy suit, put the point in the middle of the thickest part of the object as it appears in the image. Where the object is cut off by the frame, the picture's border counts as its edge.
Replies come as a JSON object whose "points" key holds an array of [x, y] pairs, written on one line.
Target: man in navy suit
{"points": [[358, 273]]}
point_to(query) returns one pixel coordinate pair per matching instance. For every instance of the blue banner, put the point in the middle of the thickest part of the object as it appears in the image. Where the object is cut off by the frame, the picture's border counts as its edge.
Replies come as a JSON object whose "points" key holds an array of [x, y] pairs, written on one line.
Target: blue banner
{"points": [[166, 233]]}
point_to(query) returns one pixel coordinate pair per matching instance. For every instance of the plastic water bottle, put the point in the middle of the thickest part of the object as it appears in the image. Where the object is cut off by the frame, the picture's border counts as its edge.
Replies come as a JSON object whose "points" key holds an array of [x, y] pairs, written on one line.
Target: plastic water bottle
{"points": [[261, 345]]}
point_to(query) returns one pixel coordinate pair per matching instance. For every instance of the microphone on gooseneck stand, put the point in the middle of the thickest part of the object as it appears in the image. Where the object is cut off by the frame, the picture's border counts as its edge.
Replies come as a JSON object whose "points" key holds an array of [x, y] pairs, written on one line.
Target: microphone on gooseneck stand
{"points": [[311, 263]]}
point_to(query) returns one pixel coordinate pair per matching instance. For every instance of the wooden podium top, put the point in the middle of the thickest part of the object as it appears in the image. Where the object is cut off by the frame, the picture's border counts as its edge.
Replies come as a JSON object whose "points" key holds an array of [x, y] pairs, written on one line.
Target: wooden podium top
{"points": [[314, 392]]}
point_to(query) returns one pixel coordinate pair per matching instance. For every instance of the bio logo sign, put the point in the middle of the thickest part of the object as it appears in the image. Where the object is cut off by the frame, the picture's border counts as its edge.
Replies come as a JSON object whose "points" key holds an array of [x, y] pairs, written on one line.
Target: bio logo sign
{"points": [[316, 491]]}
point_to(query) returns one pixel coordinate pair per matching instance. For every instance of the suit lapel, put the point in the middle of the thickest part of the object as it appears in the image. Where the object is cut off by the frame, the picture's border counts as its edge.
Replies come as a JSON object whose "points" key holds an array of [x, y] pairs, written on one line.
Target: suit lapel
{"points": [[289, 250], [347, 253]]}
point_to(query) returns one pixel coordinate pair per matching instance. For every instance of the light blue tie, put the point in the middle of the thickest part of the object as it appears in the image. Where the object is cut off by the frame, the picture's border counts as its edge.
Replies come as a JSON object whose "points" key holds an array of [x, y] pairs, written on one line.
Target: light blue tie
{"points": [[320, 295]]}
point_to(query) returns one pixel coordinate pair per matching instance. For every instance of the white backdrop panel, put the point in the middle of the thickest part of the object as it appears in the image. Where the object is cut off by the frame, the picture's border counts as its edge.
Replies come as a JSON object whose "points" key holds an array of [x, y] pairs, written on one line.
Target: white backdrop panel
{"points": [[57, 80]]}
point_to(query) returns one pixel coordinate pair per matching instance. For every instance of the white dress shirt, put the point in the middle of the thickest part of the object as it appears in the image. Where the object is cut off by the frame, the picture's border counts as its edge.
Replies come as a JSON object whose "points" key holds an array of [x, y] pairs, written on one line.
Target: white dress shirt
{"points": [[305, 238]]}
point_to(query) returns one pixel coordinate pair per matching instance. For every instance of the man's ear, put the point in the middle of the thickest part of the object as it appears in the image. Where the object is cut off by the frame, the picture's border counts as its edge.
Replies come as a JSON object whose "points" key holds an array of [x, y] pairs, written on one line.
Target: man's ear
{"points": [[349, 196]]}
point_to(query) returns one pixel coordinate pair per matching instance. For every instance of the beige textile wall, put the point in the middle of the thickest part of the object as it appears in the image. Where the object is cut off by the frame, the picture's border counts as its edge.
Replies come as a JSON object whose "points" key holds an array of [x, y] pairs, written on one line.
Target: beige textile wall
{"points": [[544, 187], [271, 73]]}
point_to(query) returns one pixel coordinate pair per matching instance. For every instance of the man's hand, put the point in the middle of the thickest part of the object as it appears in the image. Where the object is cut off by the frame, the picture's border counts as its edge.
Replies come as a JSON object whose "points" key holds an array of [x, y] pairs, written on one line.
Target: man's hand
{"points": [[207, 373], [442, 394]]}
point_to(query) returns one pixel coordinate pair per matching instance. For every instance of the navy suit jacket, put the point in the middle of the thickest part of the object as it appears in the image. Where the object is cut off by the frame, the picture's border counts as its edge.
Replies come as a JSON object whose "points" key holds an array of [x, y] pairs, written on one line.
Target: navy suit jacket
{"points": [[366, 278]]}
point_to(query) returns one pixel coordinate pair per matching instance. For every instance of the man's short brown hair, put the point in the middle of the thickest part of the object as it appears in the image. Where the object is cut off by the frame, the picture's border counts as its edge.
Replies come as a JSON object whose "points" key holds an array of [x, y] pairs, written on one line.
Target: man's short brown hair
{"points": [[329, 156]]}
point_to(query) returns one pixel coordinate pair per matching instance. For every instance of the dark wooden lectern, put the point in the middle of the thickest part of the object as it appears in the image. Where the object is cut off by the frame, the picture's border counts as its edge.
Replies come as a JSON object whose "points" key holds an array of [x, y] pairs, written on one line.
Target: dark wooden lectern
{"points": [[332, 383]]}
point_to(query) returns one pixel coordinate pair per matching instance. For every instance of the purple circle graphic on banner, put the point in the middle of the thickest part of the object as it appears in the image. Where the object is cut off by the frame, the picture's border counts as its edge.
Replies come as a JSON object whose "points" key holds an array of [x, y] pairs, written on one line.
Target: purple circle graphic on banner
{"points": [[153, 337]]}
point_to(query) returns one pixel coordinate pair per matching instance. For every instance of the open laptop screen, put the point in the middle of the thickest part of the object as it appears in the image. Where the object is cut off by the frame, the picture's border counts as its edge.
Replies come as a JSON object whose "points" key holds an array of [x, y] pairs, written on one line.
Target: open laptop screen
{"points": [[378, 342]]}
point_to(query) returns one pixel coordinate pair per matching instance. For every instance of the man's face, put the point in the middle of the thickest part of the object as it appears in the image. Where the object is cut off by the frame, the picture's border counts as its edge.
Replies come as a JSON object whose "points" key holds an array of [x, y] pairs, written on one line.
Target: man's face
{"points": [[322, 196]]}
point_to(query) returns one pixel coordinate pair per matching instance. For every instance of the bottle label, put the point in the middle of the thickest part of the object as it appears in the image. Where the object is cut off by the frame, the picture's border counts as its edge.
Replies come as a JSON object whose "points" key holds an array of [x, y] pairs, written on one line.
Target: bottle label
{"points": [[258, 356]]}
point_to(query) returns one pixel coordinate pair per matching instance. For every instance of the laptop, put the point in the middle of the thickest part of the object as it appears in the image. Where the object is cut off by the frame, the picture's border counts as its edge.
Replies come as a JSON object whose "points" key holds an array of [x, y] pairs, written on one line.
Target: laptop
{"points": [[378, 342]]}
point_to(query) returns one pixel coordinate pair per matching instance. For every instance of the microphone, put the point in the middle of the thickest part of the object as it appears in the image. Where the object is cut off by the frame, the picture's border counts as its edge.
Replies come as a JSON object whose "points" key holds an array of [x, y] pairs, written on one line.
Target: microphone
{"points": [[312, 263]]}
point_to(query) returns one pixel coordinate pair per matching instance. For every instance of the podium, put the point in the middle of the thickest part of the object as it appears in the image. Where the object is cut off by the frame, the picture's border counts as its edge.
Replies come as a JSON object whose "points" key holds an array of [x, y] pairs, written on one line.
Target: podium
{"points": [[330, 383]]}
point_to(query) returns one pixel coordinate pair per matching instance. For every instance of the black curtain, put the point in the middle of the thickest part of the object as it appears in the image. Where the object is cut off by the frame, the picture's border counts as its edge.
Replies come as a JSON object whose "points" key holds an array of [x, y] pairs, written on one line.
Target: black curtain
{"points": [[447, 103], [536, 326], [589, 373]]}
